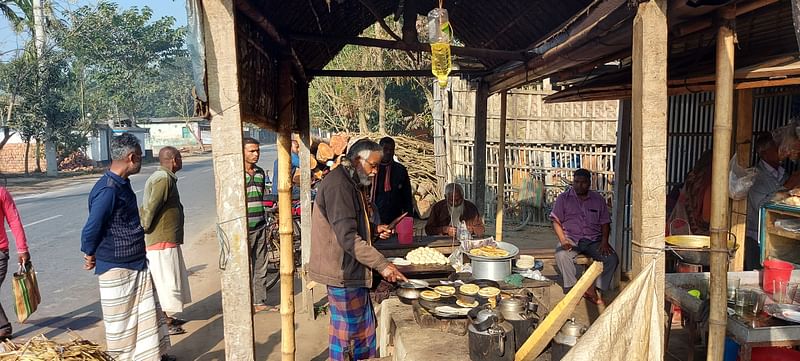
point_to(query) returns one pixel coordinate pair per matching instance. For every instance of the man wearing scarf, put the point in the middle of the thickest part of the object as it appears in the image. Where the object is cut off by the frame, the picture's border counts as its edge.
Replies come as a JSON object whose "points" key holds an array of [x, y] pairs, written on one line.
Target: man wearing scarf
{"points": [[448, 213], [342, 255], [392, 190]]}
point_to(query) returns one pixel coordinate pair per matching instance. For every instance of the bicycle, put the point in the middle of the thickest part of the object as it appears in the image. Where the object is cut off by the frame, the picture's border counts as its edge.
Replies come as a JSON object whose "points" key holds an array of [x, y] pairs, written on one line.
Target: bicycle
{"points": [[273, 238], [529, 198]]}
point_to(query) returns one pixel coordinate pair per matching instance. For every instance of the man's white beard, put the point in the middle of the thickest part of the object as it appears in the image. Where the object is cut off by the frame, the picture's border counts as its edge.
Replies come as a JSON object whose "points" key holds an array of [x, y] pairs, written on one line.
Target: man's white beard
{"points": [[455, 214], [364, 178]]}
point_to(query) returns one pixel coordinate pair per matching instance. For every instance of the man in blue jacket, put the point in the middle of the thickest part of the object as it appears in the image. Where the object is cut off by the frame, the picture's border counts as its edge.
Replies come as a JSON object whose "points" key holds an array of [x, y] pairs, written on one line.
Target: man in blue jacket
{"points": [[113, 243]]}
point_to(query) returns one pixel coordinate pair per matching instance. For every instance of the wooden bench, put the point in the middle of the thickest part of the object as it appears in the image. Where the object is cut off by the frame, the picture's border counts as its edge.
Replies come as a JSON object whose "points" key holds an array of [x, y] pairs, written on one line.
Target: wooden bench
{"points": [[548, 256]]}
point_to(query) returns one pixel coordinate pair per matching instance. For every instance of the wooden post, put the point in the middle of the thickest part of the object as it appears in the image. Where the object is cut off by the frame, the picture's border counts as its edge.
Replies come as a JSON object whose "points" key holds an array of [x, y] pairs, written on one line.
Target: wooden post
{"points": [[501, 169], [744, 134], [304, 126], [439, 141], [623, 162], [649, 142], [226, 128], [649, 129], [285, 121], [479, 150], [723, 117]]}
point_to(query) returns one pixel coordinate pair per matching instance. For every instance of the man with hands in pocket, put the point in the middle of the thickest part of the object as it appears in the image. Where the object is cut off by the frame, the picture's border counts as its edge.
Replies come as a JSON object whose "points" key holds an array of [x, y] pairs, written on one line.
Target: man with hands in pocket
{"points": [[582, 223]]}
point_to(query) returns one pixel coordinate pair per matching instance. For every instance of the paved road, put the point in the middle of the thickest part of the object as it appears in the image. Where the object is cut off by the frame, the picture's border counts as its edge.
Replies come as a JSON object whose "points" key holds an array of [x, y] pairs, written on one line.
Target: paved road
{"points": [[53, 223]]}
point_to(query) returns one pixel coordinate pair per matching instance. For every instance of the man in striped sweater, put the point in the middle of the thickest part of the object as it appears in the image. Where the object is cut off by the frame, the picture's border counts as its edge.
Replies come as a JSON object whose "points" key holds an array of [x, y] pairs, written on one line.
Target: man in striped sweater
{"points": [[255, 185]]}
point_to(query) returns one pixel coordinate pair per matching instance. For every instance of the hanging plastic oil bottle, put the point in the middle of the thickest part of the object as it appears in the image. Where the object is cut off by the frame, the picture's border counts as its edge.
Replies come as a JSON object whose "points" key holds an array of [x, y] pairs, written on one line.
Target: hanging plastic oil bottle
{"points": [[439, 36]]}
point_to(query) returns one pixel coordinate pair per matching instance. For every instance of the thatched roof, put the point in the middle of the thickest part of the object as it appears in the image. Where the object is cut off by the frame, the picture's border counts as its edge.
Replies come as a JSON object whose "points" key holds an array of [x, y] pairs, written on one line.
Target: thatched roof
{"points": [[513, 42]]}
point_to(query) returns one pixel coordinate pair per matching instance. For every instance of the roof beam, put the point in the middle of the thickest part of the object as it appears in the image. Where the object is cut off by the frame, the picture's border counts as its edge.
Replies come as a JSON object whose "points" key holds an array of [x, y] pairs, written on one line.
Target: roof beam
{"points": [[479, 53], [382, 73], [607, 25]]}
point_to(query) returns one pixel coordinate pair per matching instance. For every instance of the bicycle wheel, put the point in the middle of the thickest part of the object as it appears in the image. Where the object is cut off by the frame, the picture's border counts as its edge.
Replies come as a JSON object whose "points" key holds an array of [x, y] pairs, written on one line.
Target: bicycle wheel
{"points": [[515, 216], [273, 258]]}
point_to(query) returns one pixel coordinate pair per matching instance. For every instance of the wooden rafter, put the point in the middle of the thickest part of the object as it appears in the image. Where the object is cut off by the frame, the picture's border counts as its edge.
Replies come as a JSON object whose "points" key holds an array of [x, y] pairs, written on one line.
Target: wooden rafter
{"points": [[479, 53], [381, 73]]}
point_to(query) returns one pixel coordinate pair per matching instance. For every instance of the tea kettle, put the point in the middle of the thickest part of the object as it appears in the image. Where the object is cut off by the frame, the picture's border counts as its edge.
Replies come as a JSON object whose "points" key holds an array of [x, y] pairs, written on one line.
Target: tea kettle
{"points": [[566, 338]]}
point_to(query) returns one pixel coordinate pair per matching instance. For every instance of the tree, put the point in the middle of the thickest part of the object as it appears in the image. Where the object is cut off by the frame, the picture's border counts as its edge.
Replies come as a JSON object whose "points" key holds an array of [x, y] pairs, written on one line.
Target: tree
{"points": [[120, 53], [388, 105]]}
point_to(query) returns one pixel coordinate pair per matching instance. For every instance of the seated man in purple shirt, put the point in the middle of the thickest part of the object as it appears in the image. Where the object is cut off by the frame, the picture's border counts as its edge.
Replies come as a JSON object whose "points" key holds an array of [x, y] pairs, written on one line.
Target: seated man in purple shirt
{"points": [[582, 224]]}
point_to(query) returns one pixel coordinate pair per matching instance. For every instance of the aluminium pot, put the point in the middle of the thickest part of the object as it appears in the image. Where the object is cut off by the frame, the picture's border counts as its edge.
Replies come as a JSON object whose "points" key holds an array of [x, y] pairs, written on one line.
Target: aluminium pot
{"points": [[513, 308], [495, 270]]}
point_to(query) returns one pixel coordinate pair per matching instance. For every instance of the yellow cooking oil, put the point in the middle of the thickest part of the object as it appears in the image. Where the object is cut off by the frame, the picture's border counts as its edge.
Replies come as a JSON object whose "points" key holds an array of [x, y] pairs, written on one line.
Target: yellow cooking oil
{"points": [[441, 63]]}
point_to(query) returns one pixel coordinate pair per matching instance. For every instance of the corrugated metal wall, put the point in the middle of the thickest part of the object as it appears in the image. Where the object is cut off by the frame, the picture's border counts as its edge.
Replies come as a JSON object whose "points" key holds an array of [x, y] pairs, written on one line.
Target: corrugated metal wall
{"points": [[691, 120]]}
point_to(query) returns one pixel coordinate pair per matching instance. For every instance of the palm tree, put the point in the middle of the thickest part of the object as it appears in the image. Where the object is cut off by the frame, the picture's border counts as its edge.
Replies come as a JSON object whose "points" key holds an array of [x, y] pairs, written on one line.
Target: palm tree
{"points": [[12, 9]]}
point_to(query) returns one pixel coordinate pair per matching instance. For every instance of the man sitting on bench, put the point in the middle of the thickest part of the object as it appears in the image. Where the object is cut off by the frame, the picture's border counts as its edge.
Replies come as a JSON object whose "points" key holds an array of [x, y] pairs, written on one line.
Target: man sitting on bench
{"points": [[582, 223]]}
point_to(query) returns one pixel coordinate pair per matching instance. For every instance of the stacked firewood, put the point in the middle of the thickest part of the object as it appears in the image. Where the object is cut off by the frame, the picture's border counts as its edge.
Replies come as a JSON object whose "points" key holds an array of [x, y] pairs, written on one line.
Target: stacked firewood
{"points": [[415, 154]]}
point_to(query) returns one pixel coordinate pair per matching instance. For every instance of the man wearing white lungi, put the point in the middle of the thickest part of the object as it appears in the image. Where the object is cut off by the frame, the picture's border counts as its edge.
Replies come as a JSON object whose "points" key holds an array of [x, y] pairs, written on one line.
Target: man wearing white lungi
{"points": [[113, 243], [162, 220]]}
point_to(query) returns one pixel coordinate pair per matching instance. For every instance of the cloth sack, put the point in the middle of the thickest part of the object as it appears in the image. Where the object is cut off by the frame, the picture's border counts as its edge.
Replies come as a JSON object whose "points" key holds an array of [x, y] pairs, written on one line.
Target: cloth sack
{"points": [[26, 292]]}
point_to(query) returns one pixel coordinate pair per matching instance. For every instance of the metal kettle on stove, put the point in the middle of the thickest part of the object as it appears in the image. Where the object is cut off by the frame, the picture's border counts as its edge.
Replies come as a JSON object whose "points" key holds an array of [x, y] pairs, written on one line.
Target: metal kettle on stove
{"points": [[490, 337]]}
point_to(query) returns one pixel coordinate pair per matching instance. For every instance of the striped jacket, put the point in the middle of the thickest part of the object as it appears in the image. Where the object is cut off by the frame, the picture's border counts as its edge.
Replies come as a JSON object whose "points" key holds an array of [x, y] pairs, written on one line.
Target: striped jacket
{"points": [[255, 187]]}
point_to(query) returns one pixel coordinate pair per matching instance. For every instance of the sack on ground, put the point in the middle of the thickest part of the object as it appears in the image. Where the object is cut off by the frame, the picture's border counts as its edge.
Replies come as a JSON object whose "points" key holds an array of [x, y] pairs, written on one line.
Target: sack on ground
{"points": [[26, 292]]}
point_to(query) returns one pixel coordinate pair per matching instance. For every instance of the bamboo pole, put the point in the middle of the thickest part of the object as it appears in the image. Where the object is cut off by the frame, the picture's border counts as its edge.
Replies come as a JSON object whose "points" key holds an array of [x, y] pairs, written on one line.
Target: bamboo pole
{"points": [[285, 121], [226, 127], [479, 149], [501, 169], [744, 133], [338, 73], [723, 115], [547, 329]]}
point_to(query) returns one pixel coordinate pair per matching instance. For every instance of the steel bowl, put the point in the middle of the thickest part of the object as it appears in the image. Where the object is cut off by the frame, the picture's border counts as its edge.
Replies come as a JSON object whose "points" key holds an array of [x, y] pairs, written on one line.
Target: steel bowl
{"points": [[407, 295]]}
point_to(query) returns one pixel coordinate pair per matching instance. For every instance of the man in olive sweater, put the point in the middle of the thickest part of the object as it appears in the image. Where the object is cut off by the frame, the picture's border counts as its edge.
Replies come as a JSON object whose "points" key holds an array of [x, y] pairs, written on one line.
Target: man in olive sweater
{"points": [[162, 219]]}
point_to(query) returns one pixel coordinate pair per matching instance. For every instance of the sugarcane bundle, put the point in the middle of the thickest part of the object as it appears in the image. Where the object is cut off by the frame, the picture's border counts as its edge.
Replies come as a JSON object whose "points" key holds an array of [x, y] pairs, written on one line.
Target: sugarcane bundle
{"points": [[39, 348]]}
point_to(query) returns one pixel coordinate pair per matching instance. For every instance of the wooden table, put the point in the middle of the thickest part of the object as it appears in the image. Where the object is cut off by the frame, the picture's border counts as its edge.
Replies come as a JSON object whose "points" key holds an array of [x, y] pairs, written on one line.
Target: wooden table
{"points": [[748, 334]]}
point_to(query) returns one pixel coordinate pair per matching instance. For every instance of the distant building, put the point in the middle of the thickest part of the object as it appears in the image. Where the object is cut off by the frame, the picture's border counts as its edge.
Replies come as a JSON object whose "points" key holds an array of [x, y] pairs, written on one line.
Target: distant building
{"points": [[177, 132]]}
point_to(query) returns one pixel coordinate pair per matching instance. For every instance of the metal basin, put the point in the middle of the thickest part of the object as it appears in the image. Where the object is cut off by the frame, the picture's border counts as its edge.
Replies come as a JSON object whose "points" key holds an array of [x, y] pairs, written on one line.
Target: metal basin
{"points": [[695, 249]]}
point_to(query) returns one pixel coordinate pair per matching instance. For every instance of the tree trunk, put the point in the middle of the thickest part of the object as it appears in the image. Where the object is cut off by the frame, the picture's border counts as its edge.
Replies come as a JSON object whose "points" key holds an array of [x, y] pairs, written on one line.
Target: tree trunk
{"points": [[363, 127], [27, 153], [195, 135], [381, 104], [38, 155], [381, 95], [6, 137]]}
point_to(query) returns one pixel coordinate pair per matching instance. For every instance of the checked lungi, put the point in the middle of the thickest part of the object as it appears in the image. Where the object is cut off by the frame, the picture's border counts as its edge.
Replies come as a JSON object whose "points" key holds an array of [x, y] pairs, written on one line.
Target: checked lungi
{"points": [[352, 330], [135, 329]]}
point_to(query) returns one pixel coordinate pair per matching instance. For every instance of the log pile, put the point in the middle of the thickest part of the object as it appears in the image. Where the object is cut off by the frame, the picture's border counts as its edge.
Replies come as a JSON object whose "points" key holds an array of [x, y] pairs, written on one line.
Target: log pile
{"points": [[40, 348], [416, 155], [77, 161]]}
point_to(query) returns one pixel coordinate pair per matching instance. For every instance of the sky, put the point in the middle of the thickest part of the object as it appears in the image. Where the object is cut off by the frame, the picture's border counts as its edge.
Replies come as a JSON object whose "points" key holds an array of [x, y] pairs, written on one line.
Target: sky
{"points": [[161, 8]]}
